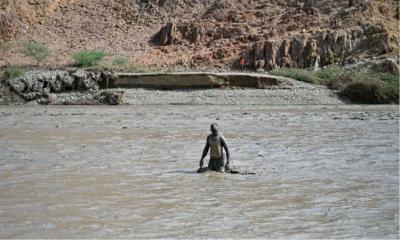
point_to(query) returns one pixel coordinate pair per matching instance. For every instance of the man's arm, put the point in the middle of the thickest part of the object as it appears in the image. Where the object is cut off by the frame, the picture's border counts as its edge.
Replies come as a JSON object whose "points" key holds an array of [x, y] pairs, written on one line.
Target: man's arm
{"points": [[205, 151], [223, 142]]}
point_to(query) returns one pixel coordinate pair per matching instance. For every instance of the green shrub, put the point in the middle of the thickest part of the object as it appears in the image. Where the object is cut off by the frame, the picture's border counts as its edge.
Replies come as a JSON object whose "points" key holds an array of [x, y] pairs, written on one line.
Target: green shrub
{"points": [[357, 85], [388, 92], [119, 61], [387, 77], [327, 74], [13, 72], [87, 58], [298, 74], [340, 82], [35, 50], [371, 92]]}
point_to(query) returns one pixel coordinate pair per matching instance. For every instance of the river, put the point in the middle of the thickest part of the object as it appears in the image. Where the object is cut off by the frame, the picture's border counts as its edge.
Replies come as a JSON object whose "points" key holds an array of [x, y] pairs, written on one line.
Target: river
{"points": [[129, 172]]}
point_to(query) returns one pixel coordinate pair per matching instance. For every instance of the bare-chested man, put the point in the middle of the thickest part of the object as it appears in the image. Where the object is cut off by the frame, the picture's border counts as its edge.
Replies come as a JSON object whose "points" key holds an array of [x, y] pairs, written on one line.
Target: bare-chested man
{"points": [[215, 143]]}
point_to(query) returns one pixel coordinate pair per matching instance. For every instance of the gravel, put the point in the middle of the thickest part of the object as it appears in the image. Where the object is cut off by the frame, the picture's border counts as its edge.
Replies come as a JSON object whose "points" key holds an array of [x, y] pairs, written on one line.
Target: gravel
{"points": [[292, 93]]}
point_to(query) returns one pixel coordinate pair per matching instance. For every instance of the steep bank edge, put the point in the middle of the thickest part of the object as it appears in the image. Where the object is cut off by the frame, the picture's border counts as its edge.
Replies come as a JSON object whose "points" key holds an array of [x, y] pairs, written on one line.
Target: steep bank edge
{"points": [[195, 80]]}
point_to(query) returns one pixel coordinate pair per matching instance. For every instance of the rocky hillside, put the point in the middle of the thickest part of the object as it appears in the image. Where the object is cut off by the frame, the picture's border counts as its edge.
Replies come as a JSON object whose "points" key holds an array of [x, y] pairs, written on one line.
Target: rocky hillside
{"points": [[190, 34]]}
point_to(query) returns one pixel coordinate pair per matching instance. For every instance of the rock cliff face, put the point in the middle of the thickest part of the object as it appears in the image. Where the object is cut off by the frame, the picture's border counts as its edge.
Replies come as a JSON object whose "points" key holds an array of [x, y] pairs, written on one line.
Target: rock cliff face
{"points": [[321, 48], [203, 34]]}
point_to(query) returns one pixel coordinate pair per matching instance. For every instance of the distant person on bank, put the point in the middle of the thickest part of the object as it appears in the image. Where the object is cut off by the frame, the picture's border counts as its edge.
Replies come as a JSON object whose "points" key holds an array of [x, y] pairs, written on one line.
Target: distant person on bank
{"points": [[242, 63]]}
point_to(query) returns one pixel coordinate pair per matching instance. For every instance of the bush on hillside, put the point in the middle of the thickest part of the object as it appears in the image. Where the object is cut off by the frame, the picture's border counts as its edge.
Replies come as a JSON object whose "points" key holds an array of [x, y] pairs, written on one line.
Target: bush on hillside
{"points": [[35, 50], [119, 61], [88, 58]]}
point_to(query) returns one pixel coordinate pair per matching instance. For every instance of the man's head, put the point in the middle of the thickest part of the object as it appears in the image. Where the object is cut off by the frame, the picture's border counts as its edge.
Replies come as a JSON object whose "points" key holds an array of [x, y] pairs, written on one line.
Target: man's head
{"points": [[214, 128]]}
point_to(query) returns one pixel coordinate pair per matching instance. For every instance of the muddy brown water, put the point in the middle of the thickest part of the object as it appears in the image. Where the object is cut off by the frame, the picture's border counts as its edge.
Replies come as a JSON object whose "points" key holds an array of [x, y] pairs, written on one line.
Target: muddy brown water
{"points": [[129, 171]]}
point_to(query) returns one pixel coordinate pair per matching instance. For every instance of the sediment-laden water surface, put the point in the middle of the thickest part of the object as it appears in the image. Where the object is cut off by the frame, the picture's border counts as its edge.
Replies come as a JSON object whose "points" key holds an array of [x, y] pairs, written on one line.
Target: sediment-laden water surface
{"points": [[129, 171]]}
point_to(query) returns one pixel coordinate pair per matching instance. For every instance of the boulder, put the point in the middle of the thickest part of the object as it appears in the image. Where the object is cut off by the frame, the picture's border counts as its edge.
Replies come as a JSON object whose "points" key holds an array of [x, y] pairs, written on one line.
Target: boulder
{"points": [[85, 80], [192, 32], [387, 65], [56, 84], [166, 35], [259, 65], [111, 97], [17, 85], [68, 81]]}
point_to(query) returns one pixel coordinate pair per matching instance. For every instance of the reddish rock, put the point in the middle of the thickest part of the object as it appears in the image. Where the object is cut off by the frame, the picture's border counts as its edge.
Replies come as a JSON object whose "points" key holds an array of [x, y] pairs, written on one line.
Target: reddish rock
{"points": [[166, 35], [320, 49]]}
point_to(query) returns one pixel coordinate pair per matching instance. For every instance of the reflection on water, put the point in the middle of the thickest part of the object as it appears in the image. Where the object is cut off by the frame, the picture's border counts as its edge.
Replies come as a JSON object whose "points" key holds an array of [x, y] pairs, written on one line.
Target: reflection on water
{"points": [[129, 172]]}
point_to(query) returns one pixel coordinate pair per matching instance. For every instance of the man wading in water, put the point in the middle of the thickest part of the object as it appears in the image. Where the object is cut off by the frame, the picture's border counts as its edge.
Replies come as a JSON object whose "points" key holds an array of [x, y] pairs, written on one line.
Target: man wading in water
{"points": [[215, 142]]}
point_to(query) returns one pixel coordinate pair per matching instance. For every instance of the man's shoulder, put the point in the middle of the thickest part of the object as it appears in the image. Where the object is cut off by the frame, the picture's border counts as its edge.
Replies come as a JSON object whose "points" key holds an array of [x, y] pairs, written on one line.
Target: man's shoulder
{"points": [[222, 137]]}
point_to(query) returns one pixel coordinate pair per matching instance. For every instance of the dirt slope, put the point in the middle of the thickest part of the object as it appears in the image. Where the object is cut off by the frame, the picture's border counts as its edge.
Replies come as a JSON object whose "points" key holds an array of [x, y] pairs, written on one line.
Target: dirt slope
{"points": [[206, 33]]}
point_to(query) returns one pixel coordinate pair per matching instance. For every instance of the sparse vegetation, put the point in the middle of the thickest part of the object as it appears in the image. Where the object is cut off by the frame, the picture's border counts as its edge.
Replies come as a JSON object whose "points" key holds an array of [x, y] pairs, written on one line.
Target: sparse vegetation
{"points": [[119, 61], [298, 74], [3, 46], [35, 50], [88, 58], [142, 69], [13, 72], [372, 92], [357, 85]]}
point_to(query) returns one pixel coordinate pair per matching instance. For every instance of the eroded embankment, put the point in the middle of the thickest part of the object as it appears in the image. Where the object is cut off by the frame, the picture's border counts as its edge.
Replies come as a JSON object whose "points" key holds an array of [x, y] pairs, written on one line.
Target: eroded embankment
{"points": [[193, 80], [80, 86]]}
